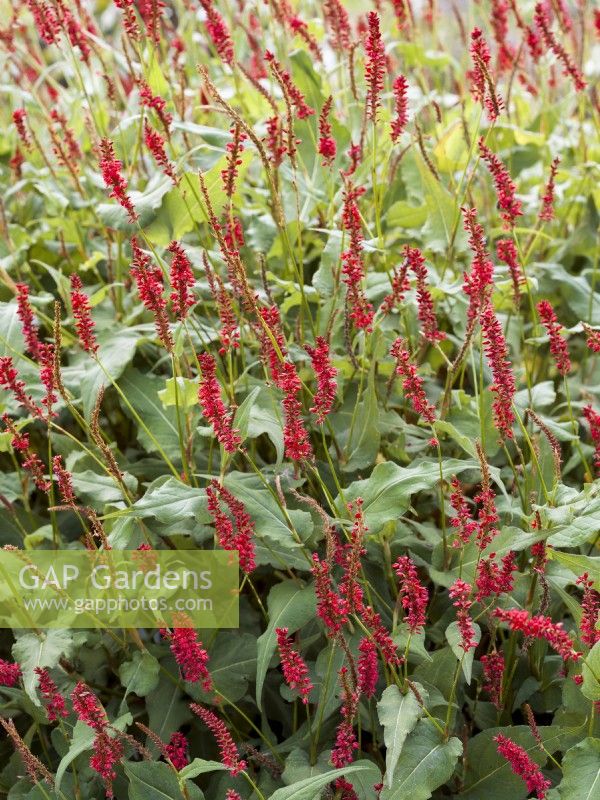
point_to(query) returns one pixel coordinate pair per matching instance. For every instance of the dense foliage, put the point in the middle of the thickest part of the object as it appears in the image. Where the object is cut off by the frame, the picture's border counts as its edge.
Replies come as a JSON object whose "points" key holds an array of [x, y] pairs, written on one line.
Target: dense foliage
{"points": [[320, 285]]}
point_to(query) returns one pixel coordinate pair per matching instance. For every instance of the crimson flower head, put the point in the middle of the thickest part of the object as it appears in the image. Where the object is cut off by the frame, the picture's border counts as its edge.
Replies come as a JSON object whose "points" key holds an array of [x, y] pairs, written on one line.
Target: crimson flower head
{"points": [[19, 118], [114, 180], [82, 311], [293, 665], [229, 753], [337, 23], [213, 407], [523, 766], [182, 280], [547, 212], [570, 68], [482, 86], [427, 318], [401, 107], [326, 384], [156, 145], [191, 657], [176, 750], [234, 150], [295, 436], [414, 595], [87, 707], [412, 383], [367, 668], [65, 481], [150, 100], [29, 324], [233, 535], [493, 672], [294, 94], [558, 344], [506, 250], [327, 145], [374, 65], [460, 592], [540, 627], [149, 282], [353, 269], [9, 673], [590, 608], [54, 701], [505, 186], [218, 32], [504, 387], [593, 419]]}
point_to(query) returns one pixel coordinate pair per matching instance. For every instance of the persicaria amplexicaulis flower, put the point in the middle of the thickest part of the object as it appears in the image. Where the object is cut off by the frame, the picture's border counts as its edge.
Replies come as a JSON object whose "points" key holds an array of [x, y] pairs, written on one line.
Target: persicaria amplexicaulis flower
{"points": [[413, 594], [504, 387], [345, 738], [327, 145], [130, 23], [9, 381], [547, 212], [29, 325], [213, 407], [54, 702], [19, 118], [65, 481], [426, 313], [294, 94], [332, 609], [523, 766], [592, 338], [182, 281], [499, 19], [380, 635], [156, 145], [293, 665], [176, 750], [114, 180], [593, 419], [107, 752], [463, 523], [191, 657], [482, 86], [460, 592], [233, 535], [338, 24], [400, 286], [149, 100], [361, 311], [82, 311], [324, 397], [558, 345], [218, 32], [229, 332], [375, 65], [367, 669], [570, 68], [505, 187], [590, 611], [350, 587], [493, 672], [9, 673], [478, 282], [229, 753], [150, 286], [295, 436], [31, 461], [88, 708], [412, 383], [506, 250], [234, 150], [540, 627], [493, 578], [400, 106]]}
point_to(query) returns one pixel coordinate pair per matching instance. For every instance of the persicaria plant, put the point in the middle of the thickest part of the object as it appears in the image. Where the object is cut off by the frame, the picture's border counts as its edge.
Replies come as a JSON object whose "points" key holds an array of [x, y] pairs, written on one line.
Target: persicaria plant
{"points": [[316, 284]]}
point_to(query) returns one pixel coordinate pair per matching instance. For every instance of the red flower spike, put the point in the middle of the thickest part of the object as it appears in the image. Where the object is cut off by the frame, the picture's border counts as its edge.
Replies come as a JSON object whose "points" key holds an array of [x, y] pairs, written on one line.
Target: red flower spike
{"points": [[156, 145], [177, 750], [368, 671], [9, 673], [400, 88], [237, 535], [482, 88], [150, 287], [505, 187], [325, 372], [460, 592], [590, 611], [65, 481], [213, 408], [191, 657], [88, 708], [412, 383], [345, 738], [413, 594], [331, 608], [327, 145], [82, 311], [426, 314], [19, 118], [108, 751], [149, 100], [296, 97], [234, 150], [558, 345], [337, 23], [478, 282], [540, 627], [9, 381], [504, 388], [547, 212], [543, 23], [29, 325], [229, 753], [54, 701], [295, 436], [218, 32], [493, 672], [375, 65], [182, 281], [353, 270], [293, 665], [111, 174], [522, 765], [593, 419], [506, 250]]}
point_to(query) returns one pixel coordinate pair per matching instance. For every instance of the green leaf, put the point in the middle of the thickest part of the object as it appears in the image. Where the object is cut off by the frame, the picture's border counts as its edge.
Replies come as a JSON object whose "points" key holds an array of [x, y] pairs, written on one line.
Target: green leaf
{"points": [[403, 215], [96, 489], [140, 675], [364, 438], [142, 391], [152, 781], [581, 771], [200, 766], [186, 395], [171, 501], [290, 606], [454, 637], [578, 564], [45, 649], [591, 674], [310, 788], [166, 709], [398, 714], [426, 762]]}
